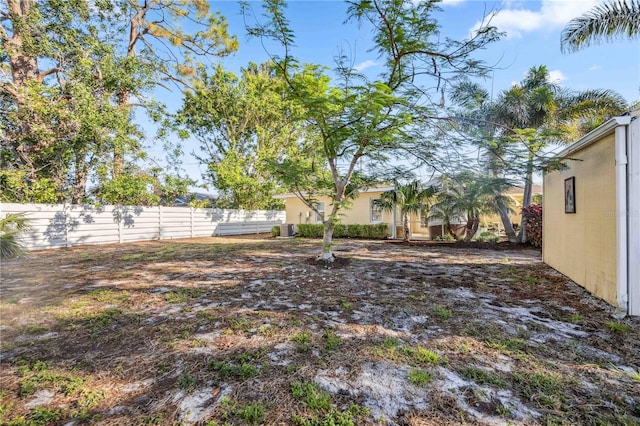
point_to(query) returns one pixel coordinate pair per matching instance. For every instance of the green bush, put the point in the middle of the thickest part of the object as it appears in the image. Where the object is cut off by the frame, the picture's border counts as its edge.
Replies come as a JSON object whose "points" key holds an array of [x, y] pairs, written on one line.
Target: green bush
{"points": [[307, 230], [487, 237], [354, 231], [275, 231], [340, 231], [377, 231], [448, 237]]}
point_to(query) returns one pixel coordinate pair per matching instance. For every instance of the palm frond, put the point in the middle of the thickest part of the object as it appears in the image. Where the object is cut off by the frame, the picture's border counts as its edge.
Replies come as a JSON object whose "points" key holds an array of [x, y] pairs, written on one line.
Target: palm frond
{"points": [[605, 22], [10, 227]]}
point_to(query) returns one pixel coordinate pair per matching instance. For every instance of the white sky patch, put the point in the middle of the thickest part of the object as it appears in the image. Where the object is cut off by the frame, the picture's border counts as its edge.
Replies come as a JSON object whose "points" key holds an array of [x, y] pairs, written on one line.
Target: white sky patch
{"points": [[451, 2], [557, 76], [594, 67], [364, 65], [516, 19]]}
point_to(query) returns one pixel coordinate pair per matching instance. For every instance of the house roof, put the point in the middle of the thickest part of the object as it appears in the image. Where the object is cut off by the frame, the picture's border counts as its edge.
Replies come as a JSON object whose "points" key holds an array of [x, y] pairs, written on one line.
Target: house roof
{"points": [[519, 190], [362, 191]]}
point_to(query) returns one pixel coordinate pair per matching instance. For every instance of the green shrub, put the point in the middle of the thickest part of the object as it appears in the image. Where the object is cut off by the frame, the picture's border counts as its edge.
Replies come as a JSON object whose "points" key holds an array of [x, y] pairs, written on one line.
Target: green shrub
{"points": [[340, 230], [487, 237], [448, 237], [307, 230], [377, 231], [275, 231], [354, 231]]}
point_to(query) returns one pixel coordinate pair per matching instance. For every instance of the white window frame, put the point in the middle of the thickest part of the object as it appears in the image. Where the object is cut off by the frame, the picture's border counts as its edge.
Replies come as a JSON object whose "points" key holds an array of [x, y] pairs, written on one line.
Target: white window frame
{"points": [[372, 204], [320, 207]]}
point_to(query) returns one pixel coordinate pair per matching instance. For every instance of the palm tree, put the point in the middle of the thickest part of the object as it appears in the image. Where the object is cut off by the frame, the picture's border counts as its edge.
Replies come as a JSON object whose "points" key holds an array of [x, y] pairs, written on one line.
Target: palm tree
{"points": [[479, 118], [514, 129], [10, 228], [411, 199], [467, 194], [537, 112], [605, 22]]}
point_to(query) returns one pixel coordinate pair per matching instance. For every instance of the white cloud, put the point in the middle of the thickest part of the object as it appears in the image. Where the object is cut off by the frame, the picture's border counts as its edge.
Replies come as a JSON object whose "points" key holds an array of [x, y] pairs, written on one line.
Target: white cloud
{"points": [[552, 14], [364, 65], [557, 76], [451, 2], [594, 67]]}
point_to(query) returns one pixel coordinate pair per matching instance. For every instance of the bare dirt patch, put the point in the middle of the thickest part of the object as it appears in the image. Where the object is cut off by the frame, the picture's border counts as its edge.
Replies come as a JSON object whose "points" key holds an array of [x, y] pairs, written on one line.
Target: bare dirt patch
{"points": [[254, 331]]}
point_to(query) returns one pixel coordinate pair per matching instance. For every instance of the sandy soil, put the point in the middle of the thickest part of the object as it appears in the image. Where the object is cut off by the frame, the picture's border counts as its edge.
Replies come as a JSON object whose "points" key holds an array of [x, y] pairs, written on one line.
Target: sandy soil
{"points": [[254, 331]]}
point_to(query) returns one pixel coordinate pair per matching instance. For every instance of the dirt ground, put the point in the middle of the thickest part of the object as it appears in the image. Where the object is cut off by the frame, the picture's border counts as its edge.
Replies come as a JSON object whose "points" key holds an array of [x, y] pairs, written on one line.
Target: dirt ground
{"points": [[253, 331]]}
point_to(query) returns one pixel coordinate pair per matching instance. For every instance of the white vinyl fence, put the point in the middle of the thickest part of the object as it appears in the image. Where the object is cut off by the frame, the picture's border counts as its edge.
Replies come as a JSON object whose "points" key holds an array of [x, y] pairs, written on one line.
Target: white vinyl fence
{"points": [[65, 225]]}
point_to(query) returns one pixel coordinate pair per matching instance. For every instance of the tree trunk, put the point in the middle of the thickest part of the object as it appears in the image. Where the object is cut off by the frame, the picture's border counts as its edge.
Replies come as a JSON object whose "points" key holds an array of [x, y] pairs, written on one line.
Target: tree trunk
{"points": [[450, 230], [473, 222], [506, 220], [327, 239], [24, 68], [405, 227], [526, 200], [80, 182], [124, 98]]}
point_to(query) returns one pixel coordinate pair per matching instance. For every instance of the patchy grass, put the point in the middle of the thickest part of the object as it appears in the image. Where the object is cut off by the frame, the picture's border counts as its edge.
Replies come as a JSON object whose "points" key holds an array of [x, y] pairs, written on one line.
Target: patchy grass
{"points": [[253, 331], [618, 327], [419, 377]]}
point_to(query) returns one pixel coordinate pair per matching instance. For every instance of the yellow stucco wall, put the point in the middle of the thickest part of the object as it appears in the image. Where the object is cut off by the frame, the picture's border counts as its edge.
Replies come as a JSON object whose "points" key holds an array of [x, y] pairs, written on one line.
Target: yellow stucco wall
{"points": [[583, 245], [359, 213]]}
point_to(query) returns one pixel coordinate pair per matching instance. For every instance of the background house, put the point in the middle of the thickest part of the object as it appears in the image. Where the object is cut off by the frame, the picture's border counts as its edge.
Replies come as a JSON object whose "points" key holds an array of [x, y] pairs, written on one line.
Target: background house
{"points": [[591, 214], [516, 193], [365, 211]]}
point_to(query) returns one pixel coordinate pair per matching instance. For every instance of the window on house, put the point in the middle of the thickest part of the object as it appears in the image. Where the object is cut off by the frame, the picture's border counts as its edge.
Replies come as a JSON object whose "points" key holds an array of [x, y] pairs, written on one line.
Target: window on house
{"points": [[320, 213], [424, 221], [375, 210]]}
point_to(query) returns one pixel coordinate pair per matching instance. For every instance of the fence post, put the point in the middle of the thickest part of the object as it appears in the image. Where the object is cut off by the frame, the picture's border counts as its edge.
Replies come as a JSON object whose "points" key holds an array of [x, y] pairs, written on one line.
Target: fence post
{"points": [[120, 220], [191, 216], [66, 225], [159, 222]]}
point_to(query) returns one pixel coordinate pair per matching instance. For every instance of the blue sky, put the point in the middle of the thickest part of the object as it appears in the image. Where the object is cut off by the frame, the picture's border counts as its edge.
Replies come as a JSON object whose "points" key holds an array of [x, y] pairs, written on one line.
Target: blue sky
{"points": [[532, 38]]}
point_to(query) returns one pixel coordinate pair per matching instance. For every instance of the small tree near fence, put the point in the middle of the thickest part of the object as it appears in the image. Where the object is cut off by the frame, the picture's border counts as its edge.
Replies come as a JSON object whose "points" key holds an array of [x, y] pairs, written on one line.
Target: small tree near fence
{"points": [[533, 221]]}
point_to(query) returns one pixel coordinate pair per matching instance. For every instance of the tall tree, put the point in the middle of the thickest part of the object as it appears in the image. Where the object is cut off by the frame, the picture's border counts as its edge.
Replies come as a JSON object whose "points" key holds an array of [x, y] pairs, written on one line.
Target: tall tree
{"points": [[74, 72], [476, 118], [243, 124], [616, 19], [54, 106], [352, 117], [536, 113], [167, 38]]}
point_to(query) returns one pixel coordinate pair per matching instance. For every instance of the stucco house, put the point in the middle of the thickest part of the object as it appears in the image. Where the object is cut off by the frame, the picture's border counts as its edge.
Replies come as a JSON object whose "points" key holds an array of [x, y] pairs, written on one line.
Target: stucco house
{"points": [[516, 193], [365, 211], [591, 213]]}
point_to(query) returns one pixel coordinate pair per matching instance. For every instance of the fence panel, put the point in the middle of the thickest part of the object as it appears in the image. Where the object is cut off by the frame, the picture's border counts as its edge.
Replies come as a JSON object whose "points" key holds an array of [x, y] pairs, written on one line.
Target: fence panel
{"points": [[64, 225]]}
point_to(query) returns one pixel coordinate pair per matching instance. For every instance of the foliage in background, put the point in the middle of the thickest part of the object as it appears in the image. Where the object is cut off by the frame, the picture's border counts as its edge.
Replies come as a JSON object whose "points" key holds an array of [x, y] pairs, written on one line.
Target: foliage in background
{"points": [[76, 72], [469, 195], [244, 124], [487, 237], [533, 218], [410, 199], [517, 128], [352, 117], [11, 226], [377, 231], [610, 21]]}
